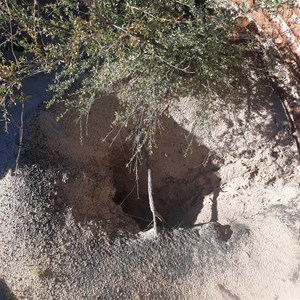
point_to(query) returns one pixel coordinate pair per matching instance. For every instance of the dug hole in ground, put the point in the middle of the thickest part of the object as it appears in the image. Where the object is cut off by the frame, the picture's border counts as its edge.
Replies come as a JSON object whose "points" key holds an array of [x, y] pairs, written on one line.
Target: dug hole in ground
{"points": [[75, 225]]}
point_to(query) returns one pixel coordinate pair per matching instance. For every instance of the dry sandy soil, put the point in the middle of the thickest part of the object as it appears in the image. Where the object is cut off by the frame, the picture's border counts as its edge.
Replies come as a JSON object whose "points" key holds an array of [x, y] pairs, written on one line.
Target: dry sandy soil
{"points": [[73, 226]]}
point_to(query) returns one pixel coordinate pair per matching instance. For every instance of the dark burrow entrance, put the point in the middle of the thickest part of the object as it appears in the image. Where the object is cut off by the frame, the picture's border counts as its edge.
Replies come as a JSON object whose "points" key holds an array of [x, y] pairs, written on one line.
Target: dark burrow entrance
{"points": [[178, 201], [179, 182]]}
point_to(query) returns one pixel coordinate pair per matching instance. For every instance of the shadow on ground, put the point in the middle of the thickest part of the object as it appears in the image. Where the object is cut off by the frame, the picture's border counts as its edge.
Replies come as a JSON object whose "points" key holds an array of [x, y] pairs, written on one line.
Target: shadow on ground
{"points": [[35, 88], [183, 174], [5, 292]]}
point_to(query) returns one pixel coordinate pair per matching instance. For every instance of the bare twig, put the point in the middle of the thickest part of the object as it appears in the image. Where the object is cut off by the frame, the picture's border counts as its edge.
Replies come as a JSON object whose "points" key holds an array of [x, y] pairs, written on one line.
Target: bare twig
{"points": [[11, 31], [11, 36], [136, 35], [21, 133], [150, 194], [35, 6], [127, 196], [173, 66]]}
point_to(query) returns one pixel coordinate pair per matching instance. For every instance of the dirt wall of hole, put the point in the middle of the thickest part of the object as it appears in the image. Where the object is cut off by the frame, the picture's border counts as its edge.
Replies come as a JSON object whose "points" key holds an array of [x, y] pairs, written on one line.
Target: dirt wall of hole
{"points": [[180, 182], [99, 188]]}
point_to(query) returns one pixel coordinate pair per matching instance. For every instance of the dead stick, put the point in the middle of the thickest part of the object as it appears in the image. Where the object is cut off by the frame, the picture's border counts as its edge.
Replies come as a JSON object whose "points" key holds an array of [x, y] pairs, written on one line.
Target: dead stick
{"points": [[21, 133], [150, 194]]}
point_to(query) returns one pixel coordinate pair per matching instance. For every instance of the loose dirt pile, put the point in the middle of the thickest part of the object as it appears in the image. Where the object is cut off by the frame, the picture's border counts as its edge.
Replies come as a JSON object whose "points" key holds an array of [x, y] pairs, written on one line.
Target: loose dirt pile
{"points": [[73, 220]]}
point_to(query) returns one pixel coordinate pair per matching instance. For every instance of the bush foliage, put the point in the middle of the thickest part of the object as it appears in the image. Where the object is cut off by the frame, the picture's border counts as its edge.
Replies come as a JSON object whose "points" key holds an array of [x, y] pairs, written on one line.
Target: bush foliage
{"points": [[146, 52]]}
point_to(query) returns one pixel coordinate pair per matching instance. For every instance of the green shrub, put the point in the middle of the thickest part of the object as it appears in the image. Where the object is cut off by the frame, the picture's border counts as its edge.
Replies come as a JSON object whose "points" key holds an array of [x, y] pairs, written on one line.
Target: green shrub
{"points": [[148, 53]]}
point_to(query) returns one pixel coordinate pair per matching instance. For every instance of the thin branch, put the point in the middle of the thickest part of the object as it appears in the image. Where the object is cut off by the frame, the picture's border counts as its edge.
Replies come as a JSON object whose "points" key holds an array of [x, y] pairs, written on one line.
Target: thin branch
{"points": [[173, 66], [116, 135], [110, 47], [11, 31], [35, 22], [10, 37], [21, 133], [150, 190], [127, 196], [114, 26]]}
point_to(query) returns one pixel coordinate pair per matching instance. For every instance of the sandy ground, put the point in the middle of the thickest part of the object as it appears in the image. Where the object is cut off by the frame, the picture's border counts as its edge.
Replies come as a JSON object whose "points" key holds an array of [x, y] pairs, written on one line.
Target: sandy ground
{"points": [[71, 220]]}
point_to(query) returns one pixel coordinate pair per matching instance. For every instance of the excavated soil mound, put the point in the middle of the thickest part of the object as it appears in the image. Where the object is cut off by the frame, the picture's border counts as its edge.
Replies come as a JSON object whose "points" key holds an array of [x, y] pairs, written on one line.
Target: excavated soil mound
{"points": [[74, 220]]}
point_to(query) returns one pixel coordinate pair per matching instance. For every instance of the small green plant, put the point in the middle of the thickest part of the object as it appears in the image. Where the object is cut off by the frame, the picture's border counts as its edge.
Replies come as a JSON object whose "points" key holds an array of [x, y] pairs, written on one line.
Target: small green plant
{"points": [[42, 273]]}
